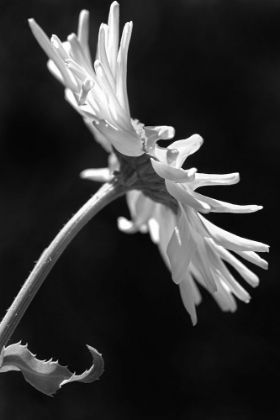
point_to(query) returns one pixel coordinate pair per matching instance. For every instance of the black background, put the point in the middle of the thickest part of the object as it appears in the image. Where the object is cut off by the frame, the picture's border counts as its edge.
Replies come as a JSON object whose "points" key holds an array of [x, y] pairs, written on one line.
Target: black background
{"points": [[205, 66]]}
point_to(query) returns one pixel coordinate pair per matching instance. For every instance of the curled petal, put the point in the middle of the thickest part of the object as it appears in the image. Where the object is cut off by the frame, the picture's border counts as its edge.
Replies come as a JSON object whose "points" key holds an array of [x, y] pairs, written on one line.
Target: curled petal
{"points": [[186, 147], [155, 133], [173, 174]]}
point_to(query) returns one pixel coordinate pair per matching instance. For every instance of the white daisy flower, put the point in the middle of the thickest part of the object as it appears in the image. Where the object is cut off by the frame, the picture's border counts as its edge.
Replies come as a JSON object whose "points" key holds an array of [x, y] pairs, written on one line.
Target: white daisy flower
{"points": [[162, 198]]}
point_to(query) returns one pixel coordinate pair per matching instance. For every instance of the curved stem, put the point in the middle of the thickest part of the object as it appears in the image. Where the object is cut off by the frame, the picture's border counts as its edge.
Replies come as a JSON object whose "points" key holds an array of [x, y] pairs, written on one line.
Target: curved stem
{"points": [[105, 195]]}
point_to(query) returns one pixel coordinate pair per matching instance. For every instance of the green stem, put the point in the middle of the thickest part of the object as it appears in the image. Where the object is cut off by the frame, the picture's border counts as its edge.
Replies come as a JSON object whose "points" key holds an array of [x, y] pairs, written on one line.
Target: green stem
{"points": [[105, 195]]}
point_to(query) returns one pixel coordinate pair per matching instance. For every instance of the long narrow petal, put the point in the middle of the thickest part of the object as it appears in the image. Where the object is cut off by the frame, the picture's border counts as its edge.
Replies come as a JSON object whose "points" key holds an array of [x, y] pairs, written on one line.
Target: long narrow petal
{"points": [[220, 267], [254, 258], [187, 294], [51, 52], [83, 33], [218, 206], [102, 55], [121, 88], [224, 297], [113, 37], [117, 114], [203, 180], [231, 241], [78, 54], [181, 248], [247, 274], [201, 260]]}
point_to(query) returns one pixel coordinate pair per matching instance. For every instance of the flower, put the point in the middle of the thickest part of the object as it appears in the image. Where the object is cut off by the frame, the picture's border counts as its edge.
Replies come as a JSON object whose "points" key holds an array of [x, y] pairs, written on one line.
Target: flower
{"points": [[162, 198]]}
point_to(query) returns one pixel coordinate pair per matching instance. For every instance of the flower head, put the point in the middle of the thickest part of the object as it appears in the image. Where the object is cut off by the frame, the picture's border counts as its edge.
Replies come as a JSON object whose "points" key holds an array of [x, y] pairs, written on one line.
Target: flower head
{"points": [[162, 197]]}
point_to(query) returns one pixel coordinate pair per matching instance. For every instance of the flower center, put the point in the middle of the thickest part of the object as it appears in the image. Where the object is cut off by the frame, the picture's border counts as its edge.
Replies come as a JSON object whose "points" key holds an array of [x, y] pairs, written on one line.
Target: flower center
{"points": [[137, 173]]}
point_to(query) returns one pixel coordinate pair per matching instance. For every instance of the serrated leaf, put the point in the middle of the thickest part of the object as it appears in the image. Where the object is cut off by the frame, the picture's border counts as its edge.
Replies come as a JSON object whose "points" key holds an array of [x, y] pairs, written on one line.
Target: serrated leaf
{"points": [[46, 376]]}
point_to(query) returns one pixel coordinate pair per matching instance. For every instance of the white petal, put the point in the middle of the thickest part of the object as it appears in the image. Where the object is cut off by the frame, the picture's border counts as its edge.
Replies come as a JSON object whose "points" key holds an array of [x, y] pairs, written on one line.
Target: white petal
{"points": [[121, 88], [144, 209], [167, 221], [231, 241], [155, 133], [203, 180], [186, 147], [51, 52], [102, 55], [126, 225], [98, 175], [113, 36], [128, 144], [63, 54], [78, 54], [221, 269], [77, 70], [99, 137], [247, 274], [182, 195], [117, 114], [201, 261], [154, 230], [173, 174], [224, 298], [253, 258], [181, 248], [187, 294], [83, 33], [55, 72], [223, 207]]}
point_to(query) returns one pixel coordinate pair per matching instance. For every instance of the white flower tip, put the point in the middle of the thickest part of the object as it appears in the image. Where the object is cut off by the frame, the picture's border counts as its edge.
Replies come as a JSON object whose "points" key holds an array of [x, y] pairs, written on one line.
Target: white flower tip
{"points": [[31, 21], [55, 41], [84, 13], [125, 225], [71, 37], [198, 138], [194, 320]]}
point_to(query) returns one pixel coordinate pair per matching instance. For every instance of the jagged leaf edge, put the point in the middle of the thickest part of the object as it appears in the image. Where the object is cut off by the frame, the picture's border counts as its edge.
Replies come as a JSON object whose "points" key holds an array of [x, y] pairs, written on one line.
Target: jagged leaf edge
{"points": [[46, 376]]}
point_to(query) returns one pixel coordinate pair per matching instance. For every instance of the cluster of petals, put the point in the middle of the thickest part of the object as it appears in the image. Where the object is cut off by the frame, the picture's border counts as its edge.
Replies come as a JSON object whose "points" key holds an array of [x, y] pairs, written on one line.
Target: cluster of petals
{"points": [[97, 92], [194, 249]]}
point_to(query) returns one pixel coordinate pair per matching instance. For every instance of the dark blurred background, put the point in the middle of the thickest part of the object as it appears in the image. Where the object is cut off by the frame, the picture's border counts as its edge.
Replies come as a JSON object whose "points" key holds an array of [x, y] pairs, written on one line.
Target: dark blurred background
{"points": [[206, 66]]}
